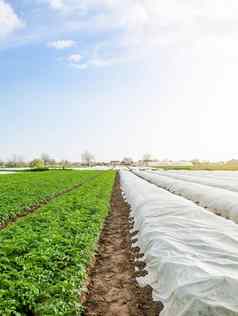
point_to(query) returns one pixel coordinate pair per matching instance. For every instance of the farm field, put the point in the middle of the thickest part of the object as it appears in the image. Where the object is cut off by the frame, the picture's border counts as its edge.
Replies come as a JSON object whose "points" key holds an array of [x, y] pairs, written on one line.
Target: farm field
{"points": [[222, 179], [221, 201], [191, 255], [22, 192], [130, 243], [44, 255], [118, 165]]}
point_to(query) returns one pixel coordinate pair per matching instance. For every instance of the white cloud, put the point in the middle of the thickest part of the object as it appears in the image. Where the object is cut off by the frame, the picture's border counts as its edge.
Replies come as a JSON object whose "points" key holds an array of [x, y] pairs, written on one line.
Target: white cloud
{"points": [[80, 66], [152, 20], [156, 31], [75, 58], [56, 4], [187, 44], [9, 21], [62, 44], [145, 27]]}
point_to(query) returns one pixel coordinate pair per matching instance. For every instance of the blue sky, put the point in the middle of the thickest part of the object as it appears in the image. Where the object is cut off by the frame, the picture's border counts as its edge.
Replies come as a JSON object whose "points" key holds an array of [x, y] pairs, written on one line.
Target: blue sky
{"points": [[118, 78]]}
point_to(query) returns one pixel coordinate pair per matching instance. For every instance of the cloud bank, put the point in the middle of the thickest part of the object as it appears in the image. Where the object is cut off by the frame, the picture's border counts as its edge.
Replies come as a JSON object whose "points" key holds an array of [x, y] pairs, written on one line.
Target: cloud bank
{"points": [[145, 27], [62, 44], [9, 21]]}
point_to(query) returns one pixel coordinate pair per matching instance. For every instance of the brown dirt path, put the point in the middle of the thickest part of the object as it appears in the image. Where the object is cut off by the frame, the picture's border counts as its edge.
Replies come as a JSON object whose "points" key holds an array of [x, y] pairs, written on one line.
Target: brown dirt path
{"points": [[113, 290]]}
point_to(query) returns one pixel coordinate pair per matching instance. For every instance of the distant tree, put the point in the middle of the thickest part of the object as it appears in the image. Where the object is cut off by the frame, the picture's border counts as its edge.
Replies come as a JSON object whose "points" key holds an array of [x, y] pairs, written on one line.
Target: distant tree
{"points": [[1, 163], [15, 161], [37, 163], [19, 161], [46, 158], [48, 161], [87, 158], [147, 157], [195, 161], [10, 164], [65, 164], [232, 161], [127, 161]]}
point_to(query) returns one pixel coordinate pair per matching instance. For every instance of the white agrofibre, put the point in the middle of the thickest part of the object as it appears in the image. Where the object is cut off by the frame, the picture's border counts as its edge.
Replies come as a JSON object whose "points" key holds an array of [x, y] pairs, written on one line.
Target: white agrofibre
{"points": [[228, 181], [217, 200], [191, 255]]}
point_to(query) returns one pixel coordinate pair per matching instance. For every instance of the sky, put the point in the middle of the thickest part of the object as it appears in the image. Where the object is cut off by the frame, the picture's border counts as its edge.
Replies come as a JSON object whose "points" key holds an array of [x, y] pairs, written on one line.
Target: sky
{"points": [[119, 78]]}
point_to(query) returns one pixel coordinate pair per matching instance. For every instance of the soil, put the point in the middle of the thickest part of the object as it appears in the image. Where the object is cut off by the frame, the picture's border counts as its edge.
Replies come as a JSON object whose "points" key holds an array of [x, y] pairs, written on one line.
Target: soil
{"points": [[112, 289]]}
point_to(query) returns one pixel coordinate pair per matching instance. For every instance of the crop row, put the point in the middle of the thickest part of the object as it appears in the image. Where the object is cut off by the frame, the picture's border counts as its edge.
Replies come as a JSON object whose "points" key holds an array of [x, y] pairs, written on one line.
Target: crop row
{"points": [[44, 256], [217, 200], [217, 180], [22, 191], [191, 255]]}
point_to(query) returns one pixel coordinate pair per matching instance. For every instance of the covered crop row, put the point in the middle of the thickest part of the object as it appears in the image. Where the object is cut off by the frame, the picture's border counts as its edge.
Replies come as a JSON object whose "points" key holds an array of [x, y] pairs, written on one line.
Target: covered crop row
{"points": [[224, 182], [22, 191], [191, 255], [44, 256], [211, 174], [219, 201]]}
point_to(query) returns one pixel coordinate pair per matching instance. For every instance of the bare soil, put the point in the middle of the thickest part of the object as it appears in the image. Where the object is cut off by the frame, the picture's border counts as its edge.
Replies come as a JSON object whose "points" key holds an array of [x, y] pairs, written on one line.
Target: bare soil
{"points": [[112, 289]]}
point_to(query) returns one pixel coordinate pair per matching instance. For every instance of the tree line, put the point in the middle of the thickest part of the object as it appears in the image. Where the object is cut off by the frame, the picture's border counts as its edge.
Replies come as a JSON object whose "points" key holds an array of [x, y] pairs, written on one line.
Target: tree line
{"points": [[44, 161]]}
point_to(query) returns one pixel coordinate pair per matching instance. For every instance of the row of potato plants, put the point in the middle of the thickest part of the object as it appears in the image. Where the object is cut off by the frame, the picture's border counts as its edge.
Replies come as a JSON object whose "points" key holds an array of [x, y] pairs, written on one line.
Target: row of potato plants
{"points": [[20, 192], [44, 256]]}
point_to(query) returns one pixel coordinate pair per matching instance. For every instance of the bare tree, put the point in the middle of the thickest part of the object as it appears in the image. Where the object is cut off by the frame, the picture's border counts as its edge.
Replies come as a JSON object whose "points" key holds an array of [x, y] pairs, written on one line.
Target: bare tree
{"points": [[65, 164], [146, 159], [48, 161], [127, 161], [87, 158], [1, 163], [15, 161], [46, 158]]}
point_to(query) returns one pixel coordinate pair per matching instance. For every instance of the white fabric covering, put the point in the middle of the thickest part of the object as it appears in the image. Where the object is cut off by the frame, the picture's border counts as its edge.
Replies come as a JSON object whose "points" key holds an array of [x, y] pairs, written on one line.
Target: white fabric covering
{"points": [[217, 200], [191, 255], [228, 181]]}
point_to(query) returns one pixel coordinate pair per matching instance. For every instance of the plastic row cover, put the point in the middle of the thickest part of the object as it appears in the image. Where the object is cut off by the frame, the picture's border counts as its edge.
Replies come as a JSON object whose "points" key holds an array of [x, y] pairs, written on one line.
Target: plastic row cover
{"points": [[213, 173], [191, 255], [224, 182], [218, 200]]}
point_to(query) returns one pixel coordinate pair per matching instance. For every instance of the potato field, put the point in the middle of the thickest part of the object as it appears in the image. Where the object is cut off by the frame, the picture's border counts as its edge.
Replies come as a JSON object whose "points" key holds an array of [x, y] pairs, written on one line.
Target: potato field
{"points": [[126, 243], [45, 253]]}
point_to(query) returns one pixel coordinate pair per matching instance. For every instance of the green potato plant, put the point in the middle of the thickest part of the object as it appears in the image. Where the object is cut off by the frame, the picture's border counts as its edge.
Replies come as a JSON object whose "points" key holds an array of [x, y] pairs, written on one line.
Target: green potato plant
{"points": [[44, 256], [20, 192]]}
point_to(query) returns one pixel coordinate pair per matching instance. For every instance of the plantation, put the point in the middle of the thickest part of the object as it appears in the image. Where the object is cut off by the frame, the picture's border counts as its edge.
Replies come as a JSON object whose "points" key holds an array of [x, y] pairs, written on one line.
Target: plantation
{"points": [[191, 255], [219, 200], [44, 256], [160, 250], [23, 191]]}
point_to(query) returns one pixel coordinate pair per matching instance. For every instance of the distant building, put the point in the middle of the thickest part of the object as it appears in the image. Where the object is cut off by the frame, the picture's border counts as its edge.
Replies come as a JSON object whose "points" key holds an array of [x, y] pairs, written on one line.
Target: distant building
{"points": [[127, 162], [115, 163]]}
